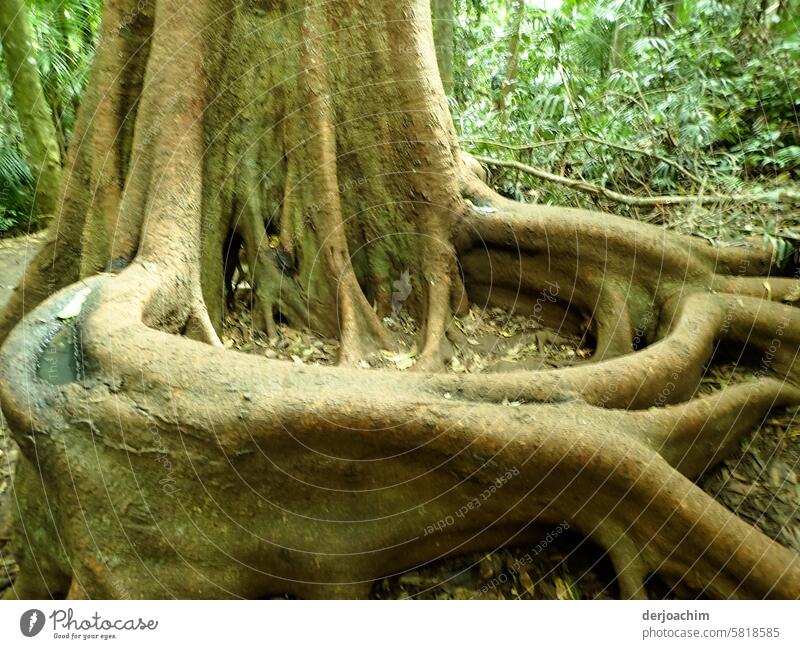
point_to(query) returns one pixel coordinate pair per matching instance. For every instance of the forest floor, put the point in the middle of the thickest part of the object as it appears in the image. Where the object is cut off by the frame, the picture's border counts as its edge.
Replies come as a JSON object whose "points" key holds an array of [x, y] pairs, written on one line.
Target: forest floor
{"points": [[760, 483], [14, 254]]}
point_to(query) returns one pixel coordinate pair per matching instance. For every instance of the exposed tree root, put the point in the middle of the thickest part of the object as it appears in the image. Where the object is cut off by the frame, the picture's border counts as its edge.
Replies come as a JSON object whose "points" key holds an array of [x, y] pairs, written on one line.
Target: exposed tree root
{"points": [[394, 439]]}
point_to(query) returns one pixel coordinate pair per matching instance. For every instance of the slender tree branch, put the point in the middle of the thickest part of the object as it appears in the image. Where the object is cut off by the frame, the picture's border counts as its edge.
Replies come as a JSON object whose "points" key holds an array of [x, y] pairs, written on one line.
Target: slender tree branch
{"points": [[595, 140], [780, 196]]}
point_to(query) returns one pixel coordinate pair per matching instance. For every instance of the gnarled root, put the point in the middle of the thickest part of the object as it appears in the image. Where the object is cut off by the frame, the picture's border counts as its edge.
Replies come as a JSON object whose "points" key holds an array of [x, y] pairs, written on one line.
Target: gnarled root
{"points": [[201, 473]]}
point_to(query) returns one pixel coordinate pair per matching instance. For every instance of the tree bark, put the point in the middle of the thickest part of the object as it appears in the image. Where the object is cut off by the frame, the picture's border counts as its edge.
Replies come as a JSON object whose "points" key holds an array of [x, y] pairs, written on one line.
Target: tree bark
{"points": [[41, 141], [444, 38], [316, 144]]}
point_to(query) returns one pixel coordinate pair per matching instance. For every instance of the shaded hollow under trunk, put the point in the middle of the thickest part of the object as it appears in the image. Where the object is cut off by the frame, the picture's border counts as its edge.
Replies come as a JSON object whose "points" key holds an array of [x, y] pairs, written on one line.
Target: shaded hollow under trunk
{"points": [[310, 143]]}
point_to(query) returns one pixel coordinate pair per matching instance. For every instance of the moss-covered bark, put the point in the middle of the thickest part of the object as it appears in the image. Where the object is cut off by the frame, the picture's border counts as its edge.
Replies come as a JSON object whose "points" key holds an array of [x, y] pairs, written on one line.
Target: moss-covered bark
{"points": [[301, 138], [41, 141]]}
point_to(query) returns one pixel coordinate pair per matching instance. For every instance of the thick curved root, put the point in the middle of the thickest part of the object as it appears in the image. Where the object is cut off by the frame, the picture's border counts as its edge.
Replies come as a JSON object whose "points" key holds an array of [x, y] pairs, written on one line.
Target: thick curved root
{"points": [[200, 472], [205, 473]]}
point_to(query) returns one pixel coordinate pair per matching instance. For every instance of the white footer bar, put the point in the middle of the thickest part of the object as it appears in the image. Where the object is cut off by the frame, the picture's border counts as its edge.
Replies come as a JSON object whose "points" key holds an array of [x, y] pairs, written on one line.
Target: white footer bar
{"points": [[401, 625]]}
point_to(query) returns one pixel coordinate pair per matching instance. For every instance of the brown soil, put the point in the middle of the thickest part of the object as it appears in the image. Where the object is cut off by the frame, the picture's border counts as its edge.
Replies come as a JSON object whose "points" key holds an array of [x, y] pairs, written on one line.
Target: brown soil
{"points": [[14, 254]]}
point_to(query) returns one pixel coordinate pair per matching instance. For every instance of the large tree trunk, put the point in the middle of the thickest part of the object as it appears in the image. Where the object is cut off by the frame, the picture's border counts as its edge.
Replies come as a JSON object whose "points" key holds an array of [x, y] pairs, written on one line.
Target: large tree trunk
{"points": [[41, 141], [313, 140]]}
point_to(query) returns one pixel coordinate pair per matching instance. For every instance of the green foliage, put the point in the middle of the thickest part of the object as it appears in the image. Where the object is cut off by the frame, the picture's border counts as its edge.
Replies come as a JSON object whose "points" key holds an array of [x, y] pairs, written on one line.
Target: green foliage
{"points": [[15, 177], [64, 40], [708, 85]]}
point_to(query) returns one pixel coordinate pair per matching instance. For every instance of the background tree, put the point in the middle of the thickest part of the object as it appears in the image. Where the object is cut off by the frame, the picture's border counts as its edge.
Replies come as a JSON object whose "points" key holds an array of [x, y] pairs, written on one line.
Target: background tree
{"points": [[33, 112], [313, 147], [443, 35], [62, 43], [512, 61]]}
